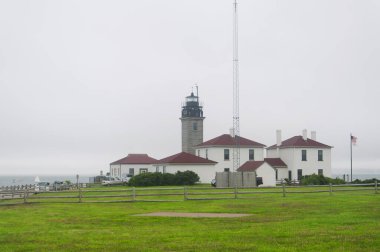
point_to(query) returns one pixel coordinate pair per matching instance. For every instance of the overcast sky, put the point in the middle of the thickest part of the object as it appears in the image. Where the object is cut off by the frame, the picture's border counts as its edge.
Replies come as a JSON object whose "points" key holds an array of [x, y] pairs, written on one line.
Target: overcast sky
{"points": [[84, 83]]}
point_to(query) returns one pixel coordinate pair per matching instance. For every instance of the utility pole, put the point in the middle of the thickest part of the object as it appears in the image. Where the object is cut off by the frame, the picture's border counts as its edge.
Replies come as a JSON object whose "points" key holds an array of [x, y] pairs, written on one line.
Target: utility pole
{"points": [[236, 123]]}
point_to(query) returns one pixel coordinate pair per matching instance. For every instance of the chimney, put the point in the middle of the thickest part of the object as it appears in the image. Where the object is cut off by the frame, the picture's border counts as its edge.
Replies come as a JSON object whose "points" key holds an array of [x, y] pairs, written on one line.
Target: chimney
{"points": [[304, 134], [278, 137], [278, 142], [314, 135], [232, 133]]}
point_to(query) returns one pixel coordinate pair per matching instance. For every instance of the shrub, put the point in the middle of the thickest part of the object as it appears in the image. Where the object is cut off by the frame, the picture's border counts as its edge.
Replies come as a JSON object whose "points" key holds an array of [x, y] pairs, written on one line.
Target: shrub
{"points": [[315, 179], [186, 178], [164, 179]]}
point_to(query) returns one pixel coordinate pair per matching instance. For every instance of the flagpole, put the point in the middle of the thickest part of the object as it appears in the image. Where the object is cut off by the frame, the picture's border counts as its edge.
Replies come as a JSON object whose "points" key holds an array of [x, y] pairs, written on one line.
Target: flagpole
{"points": [[351, 154]]}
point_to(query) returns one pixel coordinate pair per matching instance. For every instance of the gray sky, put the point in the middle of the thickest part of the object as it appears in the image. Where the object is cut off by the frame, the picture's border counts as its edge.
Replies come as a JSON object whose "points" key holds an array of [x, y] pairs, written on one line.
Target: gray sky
{"points": [[84, 83]]}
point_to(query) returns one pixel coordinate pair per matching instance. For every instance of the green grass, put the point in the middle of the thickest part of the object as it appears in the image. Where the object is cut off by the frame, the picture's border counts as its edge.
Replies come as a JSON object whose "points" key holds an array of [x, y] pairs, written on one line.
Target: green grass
{"points": [[345, 221]]}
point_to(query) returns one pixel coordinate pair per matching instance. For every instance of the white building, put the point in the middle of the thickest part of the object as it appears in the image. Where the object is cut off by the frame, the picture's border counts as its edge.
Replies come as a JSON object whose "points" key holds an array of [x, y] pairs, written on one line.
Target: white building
{"points": [[302, 155], [132, 164], [220, 149], [183, 161], [263, 170]]}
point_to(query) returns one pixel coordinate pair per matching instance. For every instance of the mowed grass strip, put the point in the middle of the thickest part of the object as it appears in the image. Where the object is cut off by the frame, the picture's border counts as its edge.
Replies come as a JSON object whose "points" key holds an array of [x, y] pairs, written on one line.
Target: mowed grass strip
{"points": [[345, 221]]}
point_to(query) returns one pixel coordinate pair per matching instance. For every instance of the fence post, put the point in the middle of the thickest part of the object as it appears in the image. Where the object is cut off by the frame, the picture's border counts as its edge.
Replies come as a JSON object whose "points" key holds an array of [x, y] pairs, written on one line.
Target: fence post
{"points": [[184, 193], [133, 194], [25, 195], [80, 195], [236, 191], [375, 186], [331, 190], [283, 190]]}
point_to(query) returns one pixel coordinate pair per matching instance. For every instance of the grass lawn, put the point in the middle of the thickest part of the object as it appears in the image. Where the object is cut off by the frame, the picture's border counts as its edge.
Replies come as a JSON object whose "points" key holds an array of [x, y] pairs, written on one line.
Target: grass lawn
{"points": [[345, 221]]}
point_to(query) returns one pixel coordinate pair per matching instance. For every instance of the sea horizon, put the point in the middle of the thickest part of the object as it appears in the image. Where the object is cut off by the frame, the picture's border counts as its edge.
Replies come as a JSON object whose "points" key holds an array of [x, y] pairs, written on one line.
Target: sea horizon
{"points": [[15, 180]]}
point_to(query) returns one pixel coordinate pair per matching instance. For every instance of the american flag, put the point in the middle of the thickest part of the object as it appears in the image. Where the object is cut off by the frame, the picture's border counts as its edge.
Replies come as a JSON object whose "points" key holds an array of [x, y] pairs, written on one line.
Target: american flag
{"points": [[353, 139]]}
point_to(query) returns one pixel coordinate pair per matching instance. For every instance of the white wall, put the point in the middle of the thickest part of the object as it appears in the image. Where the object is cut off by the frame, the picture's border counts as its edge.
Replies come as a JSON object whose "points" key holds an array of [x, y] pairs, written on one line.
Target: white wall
{"points": [[282, 173], [267, 173], [122, 170], [293, 159], [206, 172], [217, 154]]}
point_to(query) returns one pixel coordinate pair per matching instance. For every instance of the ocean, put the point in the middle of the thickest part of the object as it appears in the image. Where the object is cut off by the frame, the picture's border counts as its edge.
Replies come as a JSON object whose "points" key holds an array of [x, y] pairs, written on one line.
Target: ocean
{"points": [[27, 180]]}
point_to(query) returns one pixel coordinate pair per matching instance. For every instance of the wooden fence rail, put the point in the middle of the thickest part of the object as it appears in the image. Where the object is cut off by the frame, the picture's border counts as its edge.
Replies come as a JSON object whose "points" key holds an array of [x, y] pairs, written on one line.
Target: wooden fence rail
{"points": [[157, 194]]}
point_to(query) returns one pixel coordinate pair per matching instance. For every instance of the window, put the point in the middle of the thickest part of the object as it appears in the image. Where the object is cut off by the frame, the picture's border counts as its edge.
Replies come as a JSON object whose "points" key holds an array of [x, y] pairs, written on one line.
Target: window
{"points": [[290, 175], [195, 126], [164, 169], [276, 174], [226, 169], [299, 174], [320, 171], [251, 154], [131, 171], [320, 155], [157, 168], [304, 158], [143, 170], [199, 153], [226, 154], [206, 153]]}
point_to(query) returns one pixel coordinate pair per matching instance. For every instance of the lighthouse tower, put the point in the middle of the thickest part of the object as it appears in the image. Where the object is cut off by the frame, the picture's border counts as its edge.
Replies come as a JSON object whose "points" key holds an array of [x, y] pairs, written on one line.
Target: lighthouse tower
{"points": [[192, 123]]}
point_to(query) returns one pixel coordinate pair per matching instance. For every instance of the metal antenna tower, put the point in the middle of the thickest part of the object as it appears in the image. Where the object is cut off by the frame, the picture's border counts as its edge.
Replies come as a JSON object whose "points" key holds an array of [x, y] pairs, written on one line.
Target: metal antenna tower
{"points": [[236, 124]]}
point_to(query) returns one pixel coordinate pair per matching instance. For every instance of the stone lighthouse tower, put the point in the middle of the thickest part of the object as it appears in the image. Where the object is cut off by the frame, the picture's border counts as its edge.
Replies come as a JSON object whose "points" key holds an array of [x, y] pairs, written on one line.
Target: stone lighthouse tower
{"points": [[192, 123]]}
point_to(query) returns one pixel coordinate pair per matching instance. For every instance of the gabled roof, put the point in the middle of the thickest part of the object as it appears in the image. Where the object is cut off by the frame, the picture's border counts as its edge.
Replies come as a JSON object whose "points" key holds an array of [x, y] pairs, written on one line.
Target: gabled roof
{"points": [[276, 162], [298, 141], [250, 166], [227, 140], [185, 158], [136, 159]]}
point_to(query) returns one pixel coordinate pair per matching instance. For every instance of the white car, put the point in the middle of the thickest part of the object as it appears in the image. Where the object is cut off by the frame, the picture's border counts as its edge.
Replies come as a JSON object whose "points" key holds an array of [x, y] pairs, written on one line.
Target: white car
{"points": [[112, 181], [42, 187]]}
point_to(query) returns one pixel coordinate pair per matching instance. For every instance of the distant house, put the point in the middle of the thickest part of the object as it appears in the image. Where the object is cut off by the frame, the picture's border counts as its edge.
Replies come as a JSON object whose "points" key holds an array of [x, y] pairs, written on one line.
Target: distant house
{"points": [[132, 164], [302, 155], [183, 161], [220, 149]]}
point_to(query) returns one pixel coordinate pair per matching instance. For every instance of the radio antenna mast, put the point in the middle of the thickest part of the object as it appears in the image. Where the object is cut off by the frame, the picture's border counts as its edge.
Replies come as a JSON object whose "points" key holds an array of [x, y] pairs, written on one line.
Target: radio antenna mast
{"points": [[236, 124]]}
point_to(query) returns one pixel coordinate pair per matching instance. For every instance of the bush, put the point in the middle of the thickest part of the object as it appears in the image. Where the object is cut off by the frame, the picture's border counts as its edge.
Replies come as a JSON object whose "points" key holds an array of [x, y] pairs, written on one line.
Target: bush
{"points": [[366, 181], [315, 179], [186, 178], [164, 179]]}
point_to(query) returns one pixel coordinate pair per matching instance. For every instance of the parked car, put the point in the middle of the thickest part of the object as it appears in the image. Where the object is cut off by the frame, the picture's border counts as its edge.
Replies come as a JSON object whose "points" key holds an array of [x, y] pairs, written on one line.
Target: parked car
{"points": [[112, 181], [42, 187], [213, 183], [127, 178]]}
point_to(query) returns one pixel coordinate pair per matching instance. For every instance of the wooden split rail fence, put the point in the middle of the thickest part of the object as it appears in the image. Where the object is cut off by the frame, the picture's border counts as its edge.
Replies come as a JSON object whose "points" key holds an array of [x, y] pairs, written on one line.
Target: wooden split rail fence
{"points": [[27, 194]]}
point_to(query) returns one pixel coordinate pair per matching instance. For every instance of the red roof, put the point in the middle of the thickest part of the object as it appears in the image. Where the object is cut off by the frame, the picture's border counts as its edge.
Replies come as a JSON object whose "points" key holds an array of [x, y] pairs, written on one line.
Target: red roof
{"points": [[185, 158], [276, 162], [228, 140], [250, 166], [298, 141], [136, 159]]}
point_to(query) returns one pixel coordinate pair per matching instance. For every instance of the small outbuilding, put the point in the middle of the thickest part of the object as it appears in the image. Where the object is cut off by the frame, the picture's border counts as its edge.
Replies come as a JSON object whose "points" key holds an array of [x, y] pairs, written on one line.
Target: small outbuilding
{"points": [[183, 161], [263, 170], [131, 165]]}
